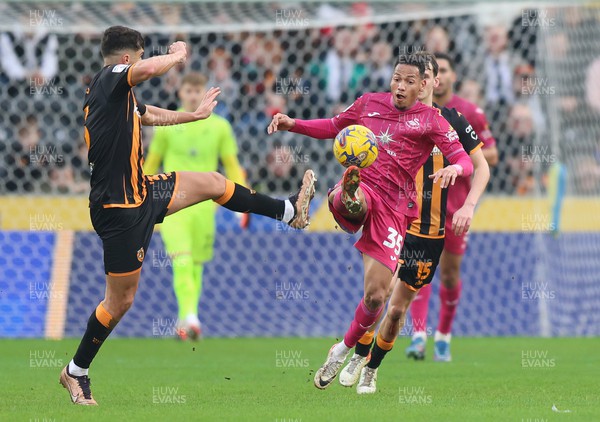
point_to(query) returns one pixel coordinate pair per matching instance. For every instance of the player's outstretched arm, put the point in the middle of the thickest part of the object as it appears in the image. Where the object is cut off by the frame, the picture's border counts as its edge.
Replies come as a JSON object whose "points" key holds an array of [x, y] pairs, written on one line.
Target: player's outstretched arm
{"points": [[317, 128], [156, 116], [461, 221], [158, 65], [280, 121]]}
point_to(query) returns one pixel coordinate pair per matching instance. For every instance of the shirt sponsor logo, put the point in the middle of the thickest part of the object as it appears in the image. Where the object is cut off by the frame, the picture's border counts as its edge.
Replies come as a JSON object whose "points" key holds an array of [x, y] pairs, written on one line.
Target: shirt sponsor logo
{"points": [[452, 135], [470, 131]]}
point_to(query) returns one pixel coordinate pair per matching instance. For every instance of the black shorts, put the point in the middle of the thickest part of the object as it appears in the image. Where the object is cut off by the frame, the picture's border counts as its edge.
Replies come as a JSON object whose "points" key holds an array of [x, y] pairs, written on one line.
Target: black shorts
{"points": [[419, 259], [126, 232]]}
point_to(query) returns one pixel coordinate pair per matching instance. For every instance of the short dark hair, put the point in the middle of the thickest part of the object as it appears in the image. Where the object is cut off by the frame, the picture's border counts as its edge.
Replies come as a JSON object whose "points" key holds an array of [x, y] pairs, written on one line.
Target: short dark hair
{"points": [[444, 56], [429, 59], [412, 60], [119, 38]]}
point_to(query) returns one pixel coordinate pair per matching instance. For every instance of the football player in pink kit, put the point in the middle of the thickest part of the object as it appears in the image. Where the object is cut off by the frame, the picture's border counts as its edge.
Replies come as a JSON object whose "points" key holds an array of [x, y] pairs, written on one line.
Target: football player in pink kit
{"points": [[382, 198], [454, 246]]}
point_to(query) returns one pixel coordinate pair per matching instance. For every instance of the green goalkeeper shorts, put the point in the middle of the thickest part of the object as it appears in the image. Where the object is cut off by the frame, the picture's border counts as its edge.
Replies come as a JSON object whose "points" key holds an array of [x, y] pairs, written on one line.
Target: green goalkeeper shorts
{"points": [[191, 231]]}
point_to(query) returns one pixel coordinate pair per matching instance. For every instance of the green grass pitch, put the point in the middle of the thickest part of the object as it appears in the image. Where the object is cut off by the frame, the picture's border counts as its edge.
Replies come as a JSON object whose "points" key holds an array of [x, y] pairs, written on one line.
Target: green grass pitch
{"points": [[250, 379]]}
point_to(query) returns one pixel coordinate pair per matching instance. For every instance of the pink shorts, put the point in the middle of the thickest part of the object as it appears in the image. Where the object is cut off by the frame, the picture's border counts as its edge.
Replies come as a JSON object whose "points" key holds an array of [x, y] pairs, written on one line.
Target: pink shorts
{"points": [[383, 231], [454, 244]]}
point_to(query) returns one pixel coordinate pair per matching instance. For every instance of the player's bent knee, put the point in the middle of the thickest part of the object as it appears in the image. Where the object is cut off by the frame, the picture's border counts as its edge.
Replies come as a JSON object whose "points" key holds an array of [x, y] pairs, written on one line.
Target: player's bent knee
{"points": [[449, 276], [396, 312], [120, 308], [374, 300]]}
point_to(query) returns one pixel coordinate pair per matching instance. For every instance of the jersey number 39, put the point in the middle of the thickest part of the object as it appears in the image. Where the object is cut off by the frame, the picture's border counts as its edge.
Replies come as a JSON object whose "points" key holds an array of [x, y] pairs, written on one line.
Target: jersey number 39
{"points": [[394, 241]]}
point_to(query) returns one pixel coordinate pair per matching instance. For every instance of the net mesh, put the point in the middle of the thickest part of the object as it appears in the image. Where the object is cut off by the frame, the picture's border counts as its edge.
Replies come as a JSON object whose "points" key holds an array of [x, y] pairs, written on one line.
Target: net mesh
{"points": [[532, 70], [529, 70]]}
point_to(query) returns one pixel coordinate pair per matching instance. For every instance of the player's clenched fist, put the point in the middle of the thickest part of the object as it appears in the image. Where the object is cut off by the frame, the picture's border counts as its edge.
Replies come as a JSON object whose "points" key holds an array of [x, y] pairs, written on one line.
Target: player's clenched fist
{"points": [[179, 47], [280, 122]]}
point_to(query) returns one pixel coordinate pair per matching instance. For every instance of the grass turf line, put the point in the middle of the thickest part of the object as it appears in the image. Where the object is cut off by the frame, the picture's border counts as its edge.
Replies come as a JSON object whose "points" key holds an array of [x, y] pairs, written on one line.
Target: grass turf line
{"points": [[253, 379]]}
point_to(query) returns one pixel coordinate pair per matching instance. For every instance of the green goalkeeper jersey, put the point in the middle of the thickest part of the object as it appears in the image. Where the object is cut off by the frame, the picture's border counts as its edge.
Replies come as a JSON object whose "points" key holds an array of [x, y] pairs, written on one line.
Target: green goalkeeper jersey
{"points": [[194, 146]]}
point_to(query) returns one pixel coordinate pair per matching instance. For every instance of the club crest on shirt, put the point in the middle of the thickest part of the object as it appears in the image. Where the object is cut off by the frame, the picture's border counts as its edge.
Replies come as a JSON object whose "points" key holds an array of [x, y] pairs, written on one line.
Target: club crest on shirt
{"points": [[413, 124], [140, 254]]}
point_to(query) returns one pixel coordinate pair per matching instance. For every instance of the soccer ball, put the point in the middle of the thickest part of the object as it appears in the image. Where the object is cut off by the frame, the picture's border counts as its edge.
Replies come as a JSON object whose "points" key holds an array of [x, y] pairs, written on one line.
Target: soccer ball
{"points": [[355, 145]]}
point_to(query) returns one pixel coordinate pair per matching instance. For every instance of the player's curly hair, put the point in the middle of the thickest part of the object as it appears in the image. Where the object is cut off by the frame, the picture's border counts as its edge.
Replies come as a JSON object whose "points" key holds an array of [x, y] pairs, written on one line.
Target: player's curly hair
{"points": [[119, 38]]}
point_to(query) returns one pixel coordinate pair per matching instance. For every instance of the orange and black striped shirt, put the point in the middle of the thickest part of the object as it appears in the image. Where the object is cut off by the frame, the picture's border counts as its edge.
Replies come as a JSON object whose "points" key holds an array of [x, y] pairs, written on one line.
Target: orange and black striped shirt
{"points": [[113, 133], [431, 198]]}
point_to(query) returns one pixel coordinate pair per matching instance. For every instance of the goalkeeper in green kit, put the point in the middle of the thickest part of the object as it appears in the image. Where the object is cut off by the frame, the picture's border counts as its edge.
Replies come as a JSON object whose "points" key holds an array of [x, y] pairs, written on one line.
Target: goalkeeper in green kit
{"points": [[189, 234]]}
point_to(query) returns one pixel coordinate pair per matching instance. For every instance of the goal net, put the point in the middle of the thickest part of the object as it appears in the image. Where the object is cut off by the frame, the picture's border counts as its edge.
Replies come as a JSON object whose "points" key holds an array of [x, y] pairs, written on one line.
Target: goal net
{"points": [[531, 267]]}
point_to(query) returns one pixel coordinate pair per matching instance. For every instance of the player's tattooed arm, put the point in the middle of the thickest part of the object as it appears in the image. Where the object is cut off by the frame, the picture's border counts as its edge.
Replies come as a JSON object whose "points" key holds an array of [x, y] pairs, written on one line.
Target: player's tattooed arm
{"points": [[156, 116], [158, 65]]}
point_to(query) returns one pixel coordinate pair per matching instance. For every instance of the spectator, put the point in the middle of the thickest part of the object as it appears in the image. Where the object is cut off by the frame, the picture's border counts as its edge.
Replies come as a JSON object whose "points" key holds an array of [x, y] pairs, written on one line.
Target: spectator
{"points": [[498, 72], [470, 90], [220, 74], [437, 40], [519, 152], [80, 164], [381, 65], [280, 166], [340, 64], [587, 175], [29, 56], [62, 180], [528, 89], [592, 86], [26, 159]]}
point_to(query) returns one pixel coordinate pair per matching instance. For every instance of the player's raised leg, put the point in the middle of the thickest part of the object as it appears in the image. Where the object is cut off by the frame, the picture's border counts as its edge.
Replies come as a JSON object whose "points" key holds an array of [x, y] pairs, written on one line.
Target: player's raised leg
{"points": [[392, 323], [450, 290], [377, 281], [347, 199], [195, 187], [120, 291]]}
